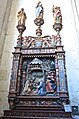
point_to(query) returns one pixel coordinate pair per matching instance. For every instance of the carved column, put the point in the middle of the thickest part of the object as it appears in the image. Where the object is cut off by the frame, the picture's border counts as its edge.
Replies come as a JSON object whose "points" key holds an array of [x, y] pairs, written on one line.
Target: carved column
{"points": [[19, 76], [16, 66], [61, 68], [61, 72], [13, 81], [57, 74]]}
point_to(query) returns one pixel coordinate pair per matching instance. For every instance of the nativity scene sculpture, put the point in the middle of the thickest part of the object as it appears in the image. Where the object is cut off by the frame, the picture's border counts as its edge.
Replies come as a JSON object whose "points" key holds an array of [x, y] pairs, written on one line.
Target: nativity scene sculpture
{"points": [[38, 79], [41, 77]]}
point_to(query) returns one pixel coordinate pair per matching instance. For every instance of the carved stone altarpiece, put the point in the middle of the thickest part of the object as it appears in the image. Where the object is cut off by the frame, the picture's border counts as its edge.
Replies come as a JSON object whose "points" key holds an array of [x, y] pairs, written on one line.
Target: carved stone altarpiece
{"points": [[38, 85]]}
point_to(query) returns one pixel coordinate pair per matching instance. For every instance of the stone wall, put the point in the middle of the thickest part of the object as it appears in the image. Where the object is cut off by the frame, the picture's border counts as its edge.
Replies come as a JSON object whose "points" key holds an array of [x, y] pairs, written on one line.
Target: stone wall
{"points": [[5, 7], [4, 15], [73, 65], [8, 31]]}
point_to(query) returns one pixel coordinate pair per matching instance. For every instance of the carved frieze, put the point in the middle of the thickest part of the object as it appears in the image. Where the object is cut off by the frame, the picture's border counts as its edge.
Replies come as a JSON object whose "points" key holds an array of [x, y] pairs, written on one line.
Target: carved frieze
{"points": [[35, 42], [38, 51]]}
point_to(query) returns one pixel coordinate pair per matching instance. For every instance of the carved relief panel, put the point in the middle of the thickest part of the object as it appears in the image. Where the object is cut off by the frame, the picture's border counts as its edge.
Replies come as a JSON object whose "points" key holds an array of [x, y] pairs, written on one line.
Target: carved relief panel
{"points": [[38, 76]]}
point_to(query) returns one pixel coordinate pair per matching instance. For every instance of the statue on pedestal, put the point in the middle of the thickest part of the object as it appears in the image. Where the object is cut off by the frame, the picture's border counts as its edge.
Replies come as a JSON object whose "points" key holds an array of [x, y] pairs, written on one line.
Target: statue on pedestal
{"points": [[21, 17], [39, 10], [57, 15]]}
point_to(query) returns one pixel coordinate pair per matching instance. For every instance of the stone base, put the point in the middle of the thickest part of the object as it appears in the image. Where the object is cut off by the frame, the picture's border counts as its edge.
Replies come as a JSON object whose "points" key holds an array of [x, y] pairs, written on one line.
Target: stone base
{"points": [[33, 107], [35, 114]]}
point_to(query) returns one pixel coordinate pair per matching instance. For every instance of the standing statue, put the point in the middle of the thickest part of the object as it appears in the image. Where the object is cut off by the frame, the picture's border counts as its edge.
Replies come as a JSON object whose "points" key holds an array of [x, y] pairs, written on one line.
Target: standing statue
{"points": [[21, 17], [41, 87], [39, 10], [51, 81], [27, 88], [57, 15]]}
